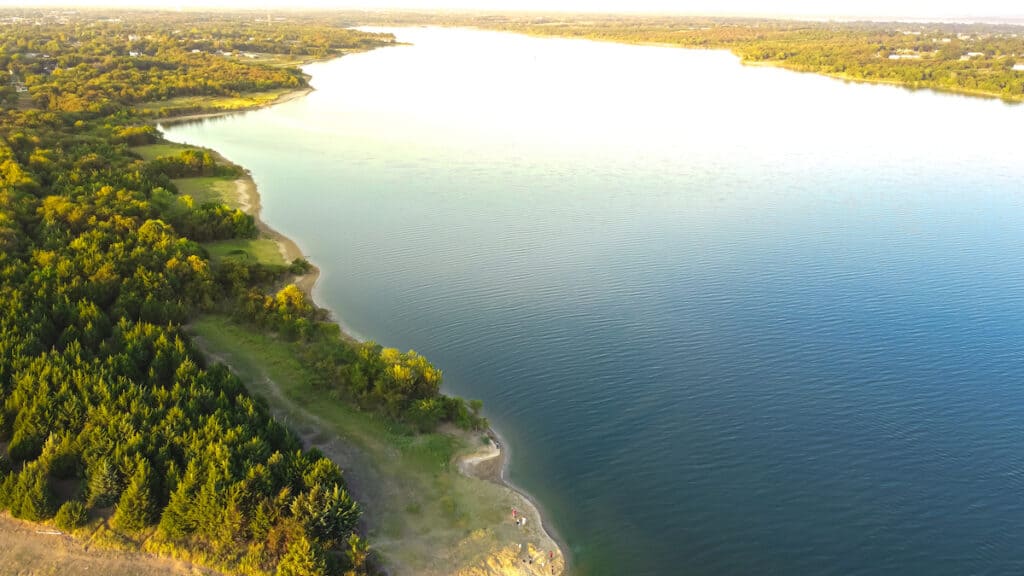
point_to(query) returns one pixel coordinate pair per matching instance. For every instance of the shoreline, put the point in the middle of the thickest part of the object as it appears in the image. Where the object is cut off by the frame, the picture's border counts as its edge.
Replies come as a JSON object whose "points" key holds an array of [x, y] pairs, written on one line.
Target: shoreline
{"points": [[467, 462], [1009, 99], [545, 525], [281, 99]]}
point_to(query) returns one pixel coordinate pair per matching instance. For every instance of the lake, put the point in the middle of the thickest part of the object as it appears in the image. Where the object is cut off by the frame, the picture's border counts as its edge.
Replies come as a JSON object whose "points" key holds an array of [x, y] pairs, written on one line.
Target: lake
{"points": [[731, 320]]}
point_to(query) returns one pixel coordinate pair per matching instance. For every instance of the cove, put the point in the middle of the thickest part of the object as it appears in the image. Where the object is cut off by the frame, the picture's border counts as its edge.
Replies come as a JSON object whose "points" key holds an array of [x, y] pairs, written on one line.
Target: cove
{"points": [[731, 320]]}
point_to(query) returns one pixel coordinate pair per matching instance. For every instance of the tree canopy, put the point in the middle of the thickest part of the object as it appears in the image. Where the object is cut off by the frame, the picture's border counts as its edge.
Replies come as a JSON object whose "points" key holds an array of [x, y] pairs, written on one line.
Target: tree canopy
{"points": [[107, 409]]}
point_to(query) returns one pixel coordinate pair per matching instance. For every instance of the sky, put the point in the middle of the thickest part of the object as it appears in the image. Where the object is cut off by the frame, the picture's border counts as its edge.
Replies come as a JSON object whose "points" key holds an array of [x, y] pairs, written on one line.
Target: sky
{"points": [[921, 9]]}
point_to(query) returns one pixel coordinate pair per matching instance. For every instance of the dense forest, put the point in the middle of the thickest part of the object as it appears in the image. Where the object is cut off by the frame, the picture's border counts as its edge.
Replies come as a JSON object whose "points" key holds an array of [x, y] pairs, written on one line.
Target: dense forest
{"points": [[981, 59], [111, 420], [69, 63]]}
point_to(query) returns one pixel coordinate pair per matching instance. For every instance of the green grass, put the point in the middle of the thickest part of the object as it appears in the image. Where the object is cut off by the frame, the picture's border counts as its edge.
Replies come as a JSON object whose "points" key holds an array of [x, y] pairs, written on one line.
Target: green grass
{"points": [[152, 151], [209, 189], [259, 250], [191, 104], [422, 514]]}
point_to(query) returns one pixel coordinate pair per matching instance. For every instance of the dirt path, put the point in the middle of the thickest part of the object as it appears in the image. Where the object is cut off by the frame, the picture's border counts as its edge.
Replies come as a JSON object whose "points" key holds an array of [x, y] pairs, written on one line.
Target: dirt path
{"points": [[502, 548], [36, 550]]}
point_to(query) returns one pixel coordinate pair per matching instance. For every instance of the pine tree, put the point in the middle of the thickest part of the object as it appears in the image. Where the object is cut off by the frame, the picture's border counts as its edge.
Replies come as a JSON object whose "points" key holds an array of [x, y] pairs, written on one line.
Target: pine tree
{"points": [[177, 519], [71, 515], [104, 484], [303, 558], [135, 508], [33, 499], [327, 515]]}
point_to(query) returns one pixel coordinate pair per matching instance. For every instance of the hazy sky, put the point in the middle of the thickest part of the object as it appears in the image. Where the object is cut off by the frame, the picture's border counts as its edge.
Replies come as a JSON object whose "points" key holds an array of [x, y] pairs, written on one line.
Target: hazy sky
{"points": [[890, 8]]}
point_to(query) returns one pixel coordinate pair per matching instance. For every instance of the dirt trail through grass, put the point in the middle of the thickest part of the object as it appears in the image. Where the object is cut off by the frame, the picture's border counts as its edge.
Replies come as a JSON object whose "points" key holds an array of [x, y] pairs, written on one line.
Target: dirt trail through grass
{"points": [[422, 514]]}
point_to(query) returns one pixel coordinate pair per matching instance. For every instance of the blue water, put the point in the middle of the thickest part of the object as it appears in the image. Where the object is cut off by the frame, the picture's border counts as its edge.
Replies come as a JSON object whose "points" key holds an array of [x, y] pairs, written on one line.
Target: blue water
{"points": [[731, 320]]}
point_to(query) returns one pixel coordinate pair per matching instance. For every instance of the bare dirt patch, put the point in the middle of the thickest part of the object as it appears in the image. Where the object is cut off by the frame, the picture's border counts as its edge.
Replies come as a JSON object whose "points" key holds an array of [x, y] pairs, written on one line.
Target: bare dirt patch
{"points": [[36, 550]]}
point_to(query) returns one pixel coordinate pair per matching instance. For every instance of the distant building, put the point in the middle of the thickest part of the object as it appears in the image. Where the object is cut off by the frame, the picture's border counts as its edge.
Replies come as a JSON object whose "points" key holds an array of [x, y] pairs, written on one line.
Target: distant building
{"points": [[1018, 67]]}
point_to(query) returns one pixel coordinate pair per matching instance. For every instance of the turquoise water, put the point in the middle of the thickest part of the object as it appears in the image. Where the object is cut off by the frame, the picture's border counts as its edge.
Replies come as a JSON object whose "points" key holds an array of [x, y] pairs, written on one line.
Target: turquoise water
{"points": [[731, 320]]}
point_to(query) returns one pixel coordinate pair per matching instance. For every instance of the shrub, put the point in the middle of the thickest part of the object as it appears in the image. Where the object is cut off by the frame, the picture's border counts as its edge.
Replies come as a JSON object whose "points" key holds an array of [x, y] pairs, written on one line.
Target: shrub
{"points": [[71, 515]]}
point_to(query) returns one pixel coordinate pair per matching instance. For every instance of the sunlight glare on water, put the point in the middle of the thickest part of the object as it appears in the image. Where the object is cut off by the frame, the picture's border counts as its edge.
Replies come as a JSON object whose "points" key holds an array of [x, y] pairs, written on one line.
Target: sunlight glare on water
{"points": [[732, 320]]}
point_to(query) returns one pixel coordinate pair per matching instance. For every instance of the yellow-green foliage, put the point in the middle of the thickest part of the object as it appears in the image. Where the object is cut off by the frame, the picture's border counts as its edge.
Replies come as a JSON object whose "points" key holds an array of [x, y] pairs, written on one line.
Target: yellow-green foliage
{"points": [[83, 63], [925, 55]]}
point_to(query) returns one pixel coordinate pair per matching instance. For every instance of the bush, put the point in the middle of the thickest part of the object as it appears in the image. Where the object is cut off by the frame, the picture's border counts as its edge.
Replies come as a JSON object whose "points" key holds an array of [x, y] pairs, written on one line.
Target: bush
{"points": [[70, 516], [300, 266]]}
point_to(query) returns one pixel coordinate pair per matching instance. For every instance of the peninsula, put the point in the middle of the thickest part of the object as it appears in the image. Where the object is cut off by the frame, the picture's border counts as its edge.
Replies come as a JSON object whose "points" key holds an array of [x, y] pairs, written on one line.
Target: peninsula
{"points": [[169, 387]]}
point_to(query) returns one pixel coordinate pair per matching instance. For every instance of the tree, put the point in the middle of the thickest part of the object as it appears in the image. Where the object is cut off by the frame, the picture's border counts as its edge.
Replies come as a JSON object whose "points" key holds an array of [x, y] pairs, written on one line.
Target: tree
{"points": [[104, 484], [303, 558], [71, 515], [135, 508], [33, 498], [327, 515]]}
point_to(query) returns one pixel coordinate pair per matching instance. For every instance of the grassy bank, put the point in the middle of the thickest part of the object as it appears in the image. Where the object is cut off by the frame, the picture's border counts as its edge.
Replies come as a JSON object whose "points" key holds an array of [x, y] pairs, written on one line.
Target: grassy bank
{"points": [[422, 515], [256, 250], [205, 189]]}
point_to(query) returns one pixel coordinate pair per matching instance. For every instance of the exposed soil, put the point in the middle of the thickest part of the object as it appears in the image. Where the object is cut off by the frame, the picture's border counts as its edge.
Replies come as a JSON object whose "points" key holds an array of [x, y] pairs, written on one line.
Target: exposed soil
{"points": [[34, 550]]}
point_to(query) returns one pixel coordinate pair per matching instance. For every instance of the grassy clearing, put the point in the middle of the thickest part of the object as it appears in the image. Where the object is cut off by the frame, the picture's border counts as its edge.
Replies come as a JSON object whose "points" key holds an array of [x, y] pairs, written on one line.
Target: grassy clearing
{"points": [[422, 516], [259, 250], [153, 151], [212, 103], [209, 189]]}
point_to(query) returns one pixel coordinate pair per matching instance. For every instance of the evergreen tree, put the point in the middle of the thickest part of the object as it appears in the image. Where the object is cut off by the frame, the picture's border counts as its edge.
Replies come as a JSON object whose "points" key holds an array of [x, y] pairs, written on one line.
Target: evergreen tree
{"points": [[327, 515], [135, 508], [71, 515], [177, 519], [33, 499], [303, 558], [104, 484]]}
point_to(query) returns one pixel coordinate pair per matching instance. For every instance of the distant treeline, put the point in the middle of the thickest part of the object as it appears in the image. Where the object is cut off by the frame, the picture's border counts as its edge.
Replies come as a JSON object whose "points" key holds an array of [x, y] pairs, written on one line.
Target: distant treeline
{"points": [[75, 62], [109, 417], [967, 58]]}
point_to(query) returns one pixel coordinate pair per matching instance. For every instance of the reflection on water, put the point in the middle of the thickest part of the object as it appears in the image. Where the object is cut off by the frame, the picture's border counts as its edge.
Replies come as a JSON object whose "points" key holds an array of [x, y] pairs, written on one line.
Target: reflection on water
{"points": [[732, 320]]}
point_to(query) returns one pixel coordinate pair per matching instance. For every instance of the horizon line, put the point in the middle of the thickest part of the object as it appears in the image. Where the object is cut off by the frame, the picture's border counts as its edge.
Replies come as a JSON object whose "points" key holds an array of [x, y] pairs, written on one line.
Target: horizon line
{"points": [[1013, 20]]}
